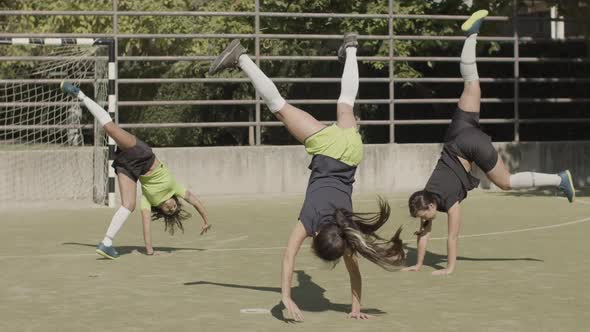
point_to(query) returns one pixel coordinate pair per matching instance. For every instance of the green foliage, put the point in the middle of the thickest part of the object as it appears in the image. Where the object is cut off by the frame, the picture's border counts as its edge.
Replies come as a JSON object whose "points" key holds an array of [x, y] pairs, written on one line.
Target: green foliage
{"points": [[238, 25]]}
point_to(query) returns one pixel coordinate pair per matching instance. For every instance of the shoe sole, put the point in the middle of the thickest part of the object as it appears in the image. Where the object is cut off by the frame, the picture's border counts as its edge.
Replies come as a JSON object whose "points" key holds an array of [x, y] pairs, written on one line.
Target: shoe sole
{"points": [[104, 254], [569, 178], [223, 56], [346, 44], [61, 86], [478, 15]]}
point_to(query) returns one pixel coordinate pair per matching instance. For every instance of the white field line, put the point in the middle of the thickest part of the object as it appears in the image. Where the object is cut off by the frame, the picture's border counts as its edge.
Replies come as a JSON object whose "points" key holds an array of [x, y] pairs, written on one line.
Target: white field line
{"points": [[521, 230]]}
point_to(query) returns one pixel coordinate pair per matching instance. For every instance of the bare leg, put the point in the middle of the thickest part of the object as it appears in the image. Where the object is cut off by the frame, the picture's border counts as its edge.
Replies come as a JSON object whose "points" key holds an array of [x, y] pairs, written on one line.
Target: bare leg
{"points": [[123, 138], [348, 90], [499, 175], [127, 189], [470, 98], [299, 123], [345, 116]]}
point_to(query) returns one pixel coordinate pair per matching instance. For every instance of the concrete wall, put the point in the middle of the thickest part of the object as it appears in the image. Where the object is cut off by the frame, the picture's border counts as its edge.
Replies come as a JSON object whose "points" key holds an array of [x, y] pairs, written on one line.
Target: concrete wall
{"points": [[385, 168], [272, 169], [46, 174]]}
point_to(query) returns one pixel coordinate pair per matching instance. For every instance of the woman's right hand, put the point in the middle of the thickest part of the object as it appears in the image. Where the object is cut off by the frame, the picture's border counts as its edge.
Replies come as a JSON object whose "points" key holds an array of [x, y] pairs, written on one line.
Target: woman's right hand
{"points": [[293, 310], [413, 268]]}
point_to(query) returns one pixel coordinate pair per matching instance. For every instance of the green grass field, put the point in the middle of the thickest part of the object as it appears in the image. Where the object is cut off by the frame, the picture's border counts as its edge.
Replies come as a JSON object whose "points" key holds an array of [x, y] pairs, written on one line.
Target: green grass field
{"points": [[523, 266]]}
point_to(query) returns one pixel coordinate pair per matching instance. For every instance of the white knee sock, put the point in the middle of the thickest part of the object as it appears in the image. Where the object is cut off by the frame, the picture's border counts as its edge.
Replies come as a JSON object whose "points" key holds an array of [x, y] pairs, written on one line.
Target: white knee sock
{"points": [[468, 65], [116, 223], [99, 113], [349, 85], [531, 179], [265, 87]]}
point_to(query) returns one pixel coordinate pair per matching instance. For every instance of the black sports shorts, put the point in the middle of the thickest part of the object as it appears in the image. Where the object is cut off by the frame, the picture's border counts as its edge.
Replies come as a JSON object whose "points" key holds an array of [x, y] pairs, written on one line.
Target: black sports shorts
{"points": [[465, 138], [135, 161]]}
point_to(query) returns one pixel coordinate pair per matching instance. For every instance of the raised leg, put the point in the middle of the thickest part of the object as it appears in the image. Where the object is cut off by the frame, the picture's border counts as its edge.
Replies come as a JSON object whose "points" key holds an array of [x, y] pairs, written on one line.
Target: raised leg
{"points": [[471, 96], [123, 139], [299, 123], [349, 84]]}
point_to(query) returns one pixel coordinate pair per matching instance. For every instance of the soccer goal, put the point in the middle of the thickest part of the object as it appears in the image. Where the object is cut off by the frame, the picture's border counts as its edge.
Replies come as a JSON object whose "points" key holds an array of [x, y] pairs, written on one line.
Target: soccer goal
{"points": [[50, 148]]}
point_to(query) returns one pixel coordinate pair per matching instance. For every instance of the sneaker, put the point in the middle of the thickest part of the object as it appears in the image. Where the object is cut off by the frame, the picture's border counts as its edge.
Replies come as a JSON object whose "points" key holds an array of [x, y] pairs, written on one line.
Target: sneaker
{"points": [[567, 185], [350, 40], [69, 89], [228, 58], [106, 251], [473, 23]]}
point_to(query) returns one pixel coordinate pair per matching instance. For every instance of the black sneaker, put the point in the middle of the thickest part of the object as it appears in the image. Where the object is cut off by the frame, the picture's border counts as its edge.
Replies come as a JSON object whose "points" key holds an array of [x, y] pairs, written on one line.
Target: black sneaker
{"points": [[228, 58], [350, 40]]}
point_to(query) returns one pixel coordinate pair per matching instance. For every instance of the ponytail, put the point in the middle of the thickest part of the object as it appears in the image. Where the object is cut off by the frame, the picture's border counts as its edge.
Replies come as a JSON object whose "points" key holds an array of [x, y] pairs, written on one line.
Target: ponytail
{"points": [[356, 232]]}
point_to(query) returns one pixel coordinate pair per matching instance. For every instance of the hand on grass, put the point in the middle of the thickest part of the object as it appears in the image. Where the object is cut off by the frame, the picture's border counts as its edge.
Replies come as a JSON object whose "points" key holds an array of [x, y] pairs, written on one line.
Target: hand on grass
{"points": [[443, 272], [293, 310], [152, 252], [359, 315], [413, 268], [205, 228]]}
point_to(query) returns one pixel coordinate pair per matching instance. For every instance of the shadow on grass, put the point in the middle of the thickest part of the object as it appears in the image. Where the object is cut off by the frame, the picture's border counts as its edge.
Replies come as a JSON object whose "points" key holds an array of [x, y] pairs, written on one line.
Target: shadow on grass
{"points": [[308, 296], [435, 260], [124, 250]]}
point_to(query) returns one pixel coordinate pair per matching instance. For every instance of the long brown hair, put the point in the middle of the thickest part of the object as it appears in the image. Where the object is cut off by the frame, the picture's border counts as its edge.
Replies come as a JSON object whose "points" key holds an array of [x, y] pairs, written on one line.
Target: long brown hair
{"points": [[356, 232], [171, 221]]}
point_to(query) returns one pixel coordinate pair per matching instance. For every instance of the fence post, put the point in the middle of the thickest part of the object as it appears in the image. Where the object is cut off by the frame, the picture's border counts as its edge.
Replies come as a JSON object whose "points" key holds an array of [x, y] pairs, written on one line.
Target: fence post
{"points": [[516, 71], [391, 74], [257, 55]]}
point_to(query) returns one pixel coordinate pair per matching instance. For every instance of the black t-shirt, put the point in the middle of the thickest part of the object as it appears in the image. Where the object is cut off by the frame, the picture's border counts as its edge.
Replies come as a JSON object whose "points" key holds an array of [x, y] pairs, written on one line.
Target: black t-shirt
{"points": [[449, 181], [329, 188]]}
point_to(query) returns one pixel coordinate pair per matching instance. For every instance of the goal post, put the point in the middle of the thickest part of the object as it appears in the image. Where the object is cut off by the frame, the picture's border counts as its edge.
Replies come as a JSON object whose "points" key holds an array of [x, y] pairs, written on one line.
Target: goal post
{"points": [[47, 150]]}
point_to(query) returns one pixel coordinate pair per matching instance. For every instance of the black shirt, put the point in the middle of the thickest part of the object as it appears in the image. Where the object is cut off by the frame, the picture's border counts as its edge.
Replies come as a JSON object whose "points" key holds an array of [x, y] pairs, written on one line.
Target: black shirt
{"points": [[329, 188], [449, 181]]}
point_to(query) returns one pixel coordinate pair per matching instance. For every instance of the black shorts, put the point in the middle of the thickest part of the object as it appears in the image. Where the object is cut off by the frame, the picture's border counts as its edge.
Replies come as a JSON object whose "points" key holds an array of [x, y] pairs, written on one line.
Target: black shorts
{"points": [[135, 161], [465, 138]]}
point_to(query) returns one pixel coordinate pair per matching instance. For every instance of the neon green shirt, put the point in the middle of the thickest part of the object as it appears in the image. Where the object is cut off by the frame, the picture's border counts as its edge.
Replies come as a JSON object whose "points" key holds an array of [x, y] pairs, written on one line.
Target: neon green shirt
{"points": [[159, 186]]}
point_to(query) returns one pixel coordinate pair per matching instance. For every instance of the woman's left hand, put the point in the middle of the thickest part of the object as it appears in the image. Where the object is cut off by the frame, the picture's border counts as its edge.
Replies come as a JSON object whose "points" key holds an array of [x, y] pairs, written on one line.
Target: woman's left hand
{"points": [[359, 315], [205, 228], [443, 272]]}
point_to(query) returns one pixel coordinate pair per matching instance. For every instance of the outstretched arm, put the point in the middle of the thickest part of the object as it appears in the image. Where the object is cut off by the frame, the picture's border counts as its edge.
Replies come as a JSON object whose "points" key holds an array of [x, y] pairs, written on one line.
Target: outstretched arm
{"points": [[194, 201], [422, 244], [146, 219], [295, 240], [454, 220], [356, 286]]}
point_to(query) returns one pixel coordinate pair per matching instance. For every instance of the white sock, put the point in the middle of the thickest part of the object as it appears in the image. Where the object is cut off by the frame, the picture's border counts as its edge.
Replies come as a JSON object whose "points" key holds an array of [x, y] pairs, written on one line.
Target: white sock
{"points": [[532, 179], [116, 223], [349, 85], [265, 87], [99, 113], [468, 66]]}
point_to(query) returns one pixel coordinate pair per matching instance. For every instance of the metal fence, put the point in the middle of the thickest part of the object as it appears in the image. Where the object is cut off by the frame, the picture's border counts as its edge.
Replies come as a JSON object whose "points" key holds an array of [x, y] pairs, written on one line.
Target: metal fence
{"points": [[256, 124]]}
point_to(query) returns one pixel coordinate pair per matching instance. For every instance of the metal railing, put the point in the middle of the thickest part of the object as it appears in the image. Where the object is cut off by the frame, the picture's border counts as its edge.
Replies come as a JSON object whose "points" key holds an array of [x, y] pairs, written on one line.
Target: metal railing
{"points": [[256, 124]]}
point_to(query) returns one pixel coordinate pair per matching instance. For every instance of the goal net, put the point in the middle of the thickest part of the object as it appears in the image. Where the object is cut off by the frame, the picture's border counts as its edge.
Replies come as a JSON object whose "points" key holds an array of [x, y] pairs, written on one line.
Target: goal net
{"points": [[50, 148]]}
